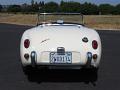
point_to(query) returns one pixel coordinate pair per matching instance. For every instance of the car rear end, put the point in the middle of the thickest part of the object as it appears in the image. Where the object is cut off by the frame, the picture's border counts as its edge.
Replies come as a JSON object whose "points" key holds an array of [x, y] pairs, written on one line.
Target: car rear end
{"points": [[55, 49]]}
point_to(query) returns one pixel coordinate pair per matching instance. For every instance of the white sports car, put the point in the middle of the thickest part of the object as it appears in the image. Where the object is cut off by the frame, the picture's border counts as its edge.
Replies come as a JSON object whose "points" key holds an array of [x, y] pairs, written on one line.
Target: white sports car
{"points": [[60, 41]]}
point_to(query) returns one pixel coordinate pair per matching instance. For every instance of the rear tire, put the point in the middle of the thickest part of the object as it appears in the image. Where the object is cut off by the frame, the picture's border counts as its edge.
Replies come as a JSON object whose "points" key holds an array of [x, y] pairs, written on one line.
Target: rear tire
{"points": [[28, 70], [93, 71]]}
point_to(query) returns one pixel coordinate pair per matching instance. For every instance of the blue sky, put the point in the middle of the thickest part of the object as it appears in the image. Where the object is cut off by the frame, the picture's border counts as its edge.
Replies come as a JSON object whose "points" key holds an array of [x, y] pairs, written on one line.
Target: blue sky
{"points": [[5, 2]]}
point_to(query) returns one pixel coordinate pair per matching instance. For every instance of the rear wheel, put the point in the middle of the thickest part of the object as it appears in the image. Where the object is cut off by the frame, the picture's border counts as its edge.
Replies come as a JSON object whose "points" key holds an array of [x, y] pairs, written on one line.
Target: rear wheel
{"points": [[91, 70], [94, 70], [28, 70]]}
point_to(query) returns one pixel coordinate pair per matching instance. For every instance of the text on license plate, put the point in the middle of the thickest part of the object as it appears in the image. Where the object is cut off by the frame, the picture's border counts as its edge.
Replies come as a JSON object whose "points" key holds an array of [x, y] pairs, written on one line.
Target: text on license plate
{"points": [[60, 58]]}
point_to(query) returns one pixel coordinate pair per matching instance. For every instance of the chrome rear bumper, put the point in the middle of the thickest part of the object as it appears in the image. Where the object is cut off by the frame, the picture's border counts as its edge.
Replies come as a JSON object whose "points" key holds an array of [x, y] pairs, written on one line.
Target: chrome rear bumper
{"points": [[78, 65]]}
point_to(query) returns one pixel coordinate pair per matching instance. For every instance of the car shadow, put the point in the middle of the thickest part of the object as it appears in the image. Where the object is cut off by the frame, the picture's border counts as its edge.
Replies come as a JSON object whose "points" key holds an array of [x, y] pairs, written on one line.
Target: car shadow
{"points": [[59, 75]]}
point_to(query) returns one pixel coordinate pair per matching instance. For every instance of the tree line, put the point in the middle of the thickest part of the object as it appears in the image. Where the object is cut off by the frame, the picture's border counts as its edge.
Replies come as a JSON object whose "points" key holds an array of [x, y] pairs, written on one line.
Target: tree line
{"points": [[71, 7]]}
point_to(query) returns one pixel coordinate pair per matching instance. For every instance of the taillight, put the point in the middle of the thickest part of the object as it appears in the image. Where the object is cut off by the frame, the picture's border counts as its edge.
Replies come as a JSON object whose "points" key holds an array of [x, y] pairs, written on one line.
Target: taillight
{"points": [[94, 44], [26, 43]]}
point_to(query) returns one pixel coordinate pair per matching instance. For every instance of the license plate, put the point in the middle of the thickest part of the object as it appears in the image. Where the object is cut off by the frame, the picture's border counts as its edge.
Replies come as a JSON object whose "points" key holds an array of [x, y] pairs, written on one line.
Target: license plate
{"points": [[61, 58]]}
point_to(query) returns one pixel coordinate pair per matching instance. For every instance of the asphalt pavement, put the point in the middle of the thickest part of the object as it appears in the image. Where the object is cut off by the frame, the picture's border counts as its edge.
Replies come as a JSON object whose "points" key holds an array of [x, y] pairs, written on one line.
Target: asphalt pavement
{"points": [[13, 78]]}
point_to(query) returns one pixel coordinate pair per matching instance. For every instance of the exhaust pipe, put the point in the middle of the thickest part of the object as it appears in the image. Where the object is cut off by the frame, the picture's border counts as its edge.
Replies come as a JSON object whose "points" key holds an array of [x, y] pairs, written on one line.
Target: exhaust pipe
{"points": [[89, 59], [33, 58]]}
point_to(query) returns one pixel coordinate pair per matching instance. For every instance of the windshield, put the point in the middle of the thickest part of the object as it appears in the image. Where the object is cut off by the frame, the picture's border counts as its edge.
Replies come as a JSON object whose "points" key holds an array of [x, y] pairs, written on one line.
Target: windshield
{"points": [[60, 18]]}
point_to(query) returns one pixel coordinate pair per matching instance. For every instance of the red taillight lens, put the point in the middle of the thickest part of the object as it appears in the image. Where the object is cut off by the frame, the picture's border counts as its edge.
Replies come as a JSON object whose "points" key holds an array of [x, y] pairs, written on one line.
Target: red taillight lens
{"points": [[94, 44], [26, 43]]}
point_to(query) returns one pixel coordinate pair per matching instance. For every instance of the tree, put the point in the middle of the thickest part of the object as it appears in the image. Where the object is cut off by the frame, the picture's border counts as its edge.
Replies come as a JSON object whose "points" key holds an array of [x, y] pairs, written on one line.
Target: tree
{"points": [[106, 8], [117, 9], [32, 2], [41, 3], [69, 6], [88, 8], [35, 7], [51, 7], [0, 8], [25, 8], [41, 6], [14, 8]]}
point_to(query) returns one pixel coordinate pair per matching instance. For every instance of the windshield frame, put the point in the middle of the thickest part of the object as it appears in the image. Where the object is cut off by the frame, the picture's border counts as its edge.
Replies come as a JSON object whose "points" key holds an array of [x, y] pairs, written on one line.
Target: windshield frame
{"points": [[44, 18]]}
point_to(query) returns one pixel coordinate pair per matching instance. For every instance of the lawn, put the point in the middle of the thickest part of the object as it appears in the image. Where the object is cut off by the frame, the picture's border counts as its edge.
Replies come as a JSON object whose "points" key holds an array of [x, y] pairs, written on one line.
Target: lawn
{"points": [[92, 21]]}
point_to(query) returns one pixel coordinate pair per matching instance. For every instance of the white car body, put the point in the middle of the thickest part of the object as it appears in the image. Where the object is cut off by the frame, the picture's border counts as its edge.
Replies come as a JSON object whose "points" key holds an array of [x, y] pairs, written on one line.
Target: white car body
{"points": [[47, 38]]}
